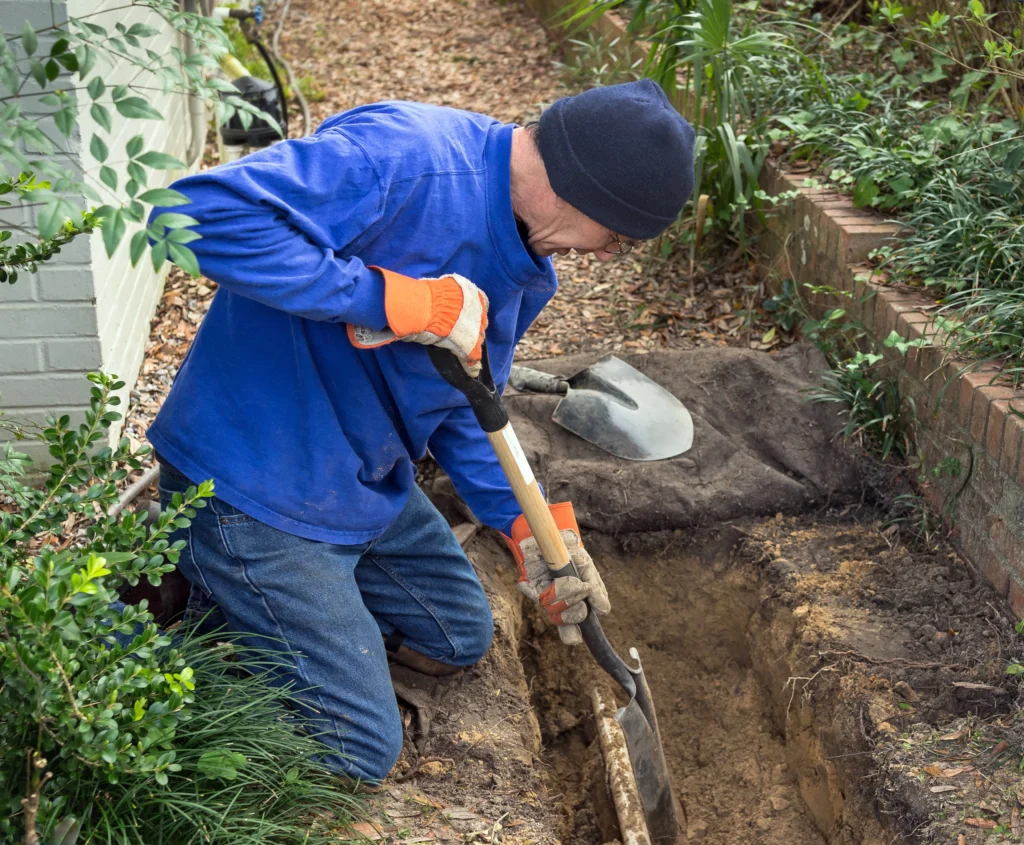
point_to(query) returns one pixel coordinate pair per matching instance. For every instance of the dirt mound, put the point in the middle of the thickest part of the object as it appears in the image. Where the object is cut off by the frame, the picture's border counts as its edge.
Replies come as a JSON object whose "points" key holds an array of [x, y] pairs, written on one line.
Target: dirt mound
{"points": [[759, 445]]}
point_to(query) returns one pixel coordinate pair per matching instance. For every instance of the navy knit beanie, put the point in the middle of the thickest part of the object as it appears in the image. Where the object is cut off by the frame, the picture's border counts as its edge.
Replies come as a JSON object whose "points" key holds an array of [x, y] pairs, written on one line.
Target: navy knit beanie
{"points": [[620, 154]]}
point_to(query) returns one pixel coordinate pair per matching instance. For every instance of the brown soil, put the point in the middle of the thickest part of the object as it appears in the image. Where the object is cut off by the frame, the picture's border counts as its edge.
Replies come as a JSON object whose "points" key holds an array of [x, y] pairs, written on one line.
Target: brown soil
{"points": [[688, 614], [799, 701]]}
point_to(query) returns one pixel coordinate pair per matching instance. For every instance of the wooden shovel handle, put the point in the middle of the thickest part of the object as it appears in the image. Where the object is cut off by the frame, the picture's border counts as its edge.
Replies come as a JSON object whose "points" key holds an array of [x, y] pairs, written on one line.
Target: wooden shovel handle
{"points": [[527, 492]]}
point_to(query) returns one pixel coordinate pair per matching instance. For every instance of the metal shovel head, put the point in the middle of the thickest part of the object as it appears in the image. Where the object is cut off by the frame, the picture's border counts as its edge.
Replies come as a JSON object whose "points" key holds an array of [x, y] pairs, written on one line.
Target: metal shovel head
{"points": [[617, 408], [665, 820]]}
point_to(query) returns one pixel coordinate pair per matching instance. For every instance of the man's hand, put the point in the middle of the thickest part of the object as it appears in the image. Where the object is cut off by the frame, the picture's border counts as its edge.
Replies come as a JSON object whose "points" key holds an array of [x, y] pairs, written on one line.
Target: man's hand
{"points": [[565, 599], [450, 312]]}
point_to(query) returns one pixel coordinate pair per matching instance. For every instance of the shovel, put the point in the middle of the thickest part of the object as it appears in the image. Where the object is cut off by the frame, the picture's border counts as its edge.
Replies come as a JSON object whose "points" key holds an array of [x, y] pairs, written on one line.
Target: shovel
{"points": [[637, 719], [615, 407]]}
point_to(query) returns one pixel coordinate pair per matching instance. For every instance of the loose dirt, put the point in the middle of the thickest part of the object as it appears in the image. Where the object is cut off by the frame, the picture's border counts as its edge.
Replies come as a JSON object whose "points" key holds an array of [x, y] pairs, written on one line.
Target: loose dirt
{"points": [[689, 615]]}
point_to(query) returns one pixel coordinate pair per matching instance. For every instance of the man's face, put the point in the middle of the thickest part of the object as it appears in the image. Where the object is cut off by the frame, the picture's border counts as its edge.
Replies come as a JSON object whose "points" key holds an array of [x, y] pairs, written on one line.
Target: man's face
{"points": [[570, 230]]}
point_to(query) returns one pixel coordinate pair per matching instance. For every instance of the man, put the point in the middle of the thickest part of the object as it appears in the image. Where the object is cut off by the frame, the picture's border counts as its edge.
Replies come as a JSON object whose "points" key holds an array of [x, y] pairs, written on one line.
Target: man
{"points": [[308, 392]]}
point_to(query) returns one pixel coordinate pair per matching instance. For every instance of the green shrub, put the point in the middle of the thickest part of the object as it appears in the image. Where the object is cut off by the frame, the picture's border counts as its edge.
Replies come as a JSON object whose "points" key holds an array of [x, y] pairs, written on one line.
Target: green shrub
{"points": [[105, 723]]}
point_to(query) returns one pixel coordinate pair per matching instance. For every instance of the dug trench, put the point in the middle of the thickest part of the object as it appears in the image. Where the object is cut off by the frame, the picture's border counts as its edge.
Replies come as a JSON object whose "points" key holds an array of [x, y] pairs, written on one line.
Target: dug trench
{"points": [[817, 680]]}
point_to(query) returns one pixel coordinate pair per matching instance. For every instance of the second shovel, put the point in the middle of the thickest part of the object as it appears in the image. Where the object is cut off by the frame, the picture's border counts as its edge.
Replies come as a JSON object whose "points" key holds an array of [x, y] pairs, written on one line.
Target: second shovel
{"points": [[615, 407]]}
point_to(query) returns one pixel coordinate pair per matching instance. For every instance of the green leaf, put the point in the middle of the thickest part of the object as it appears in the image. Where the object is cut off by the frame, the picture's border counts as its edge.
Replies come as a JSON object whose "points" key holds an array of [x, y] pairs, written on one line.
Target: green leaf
{"points": [[108, 177], [98, 148], [113, 231], [158, 254], [38, 72], [137, 172], [101, 114], [52, 70], [134, 146], [184, 258], [65, 120], [86, 57], [140, 30], [901, 58], [137, 108], [976, 8], [160, 161], [174, 220], [28, 39], [51, 218], [221, 763], [865, 192], [96, 87], [139, 241], [183, 236], [164, 197]]}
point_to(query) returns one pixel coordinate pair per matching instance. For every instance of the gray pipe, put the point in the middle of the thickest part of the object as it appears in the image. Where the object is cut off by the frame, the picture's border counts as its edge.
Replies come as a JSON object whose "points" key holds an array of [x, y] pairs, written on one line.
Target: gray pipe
{"points": [[196, 105]]}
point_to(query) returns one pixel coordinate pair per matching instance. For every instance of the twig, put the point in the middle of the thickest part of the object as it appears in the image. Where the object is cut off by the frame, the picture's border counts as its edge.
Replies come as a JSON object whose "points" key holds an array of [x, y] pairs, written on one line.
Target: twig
{"points": [[807, 682]]}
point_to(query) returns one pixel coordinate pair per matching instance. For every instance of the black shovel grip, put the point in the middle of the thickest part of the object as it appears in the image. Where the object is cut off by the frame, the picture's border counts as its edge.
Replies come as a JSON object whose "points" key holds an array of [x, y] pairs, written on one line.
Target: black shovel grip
{"points": [[490, 412], [483, 396]]}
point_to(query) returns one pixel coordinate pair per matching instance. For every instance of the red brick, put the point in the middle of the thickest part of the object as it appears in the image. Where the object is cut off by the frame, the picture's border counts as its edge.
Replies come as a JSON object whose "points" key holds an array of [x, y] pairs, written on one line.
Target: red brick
{"points": [[858, 241], [1014, 427], [984, 398], [1020, 470], [913, 365], [979, 417], [970, 382], [1016, 597], [996, 573], [996, 426], [913, 324], [894, 310]]}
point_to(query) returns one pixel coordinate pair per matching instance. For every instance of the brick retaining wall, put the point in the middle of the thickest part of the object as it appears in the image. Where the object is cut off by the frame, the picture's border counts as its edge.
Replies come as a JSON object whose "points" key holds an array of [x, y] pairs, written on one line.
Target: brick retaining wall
{"points": [[821, 239]]}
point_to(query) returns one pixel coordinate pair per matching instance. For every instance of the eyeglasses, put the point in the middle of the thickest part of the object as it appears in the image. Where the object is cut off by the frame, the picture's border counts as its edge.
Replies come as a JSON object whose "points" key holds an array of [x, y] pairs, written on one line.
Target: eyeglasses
{"points": [[617, 246]]}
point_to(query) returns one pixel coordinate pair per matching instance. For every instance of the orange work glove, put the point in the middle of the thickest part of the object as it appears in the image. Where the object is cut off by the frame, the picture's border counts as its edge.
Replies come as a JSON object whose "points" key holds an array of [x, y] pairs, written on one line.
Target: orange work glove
{"points": [[565, 599], [450, 312]]}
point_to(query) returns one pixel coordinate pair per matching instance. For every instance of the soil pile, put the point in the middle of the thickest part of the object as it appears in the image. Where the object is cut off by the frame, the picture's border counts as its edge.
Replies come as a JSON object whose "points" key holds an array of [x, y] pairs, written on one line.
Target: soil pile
{"points": [[759, 446]]}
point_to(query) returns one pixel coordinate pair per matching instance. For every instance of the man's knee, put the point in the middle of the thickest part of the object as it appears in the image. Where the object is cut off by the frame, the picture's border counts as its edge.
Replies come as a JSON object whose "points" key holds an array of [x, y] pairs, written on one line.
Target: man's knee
{"points": [[481, 636], [366, 755]]}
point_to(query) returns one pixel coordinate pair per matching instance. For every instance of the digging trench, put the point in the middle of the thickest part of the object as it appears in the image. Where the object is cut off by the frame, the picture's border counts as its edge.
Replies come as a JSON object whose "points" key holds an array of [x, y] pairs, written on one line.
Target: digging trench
{"points": [[693, 613], [789, 656]]}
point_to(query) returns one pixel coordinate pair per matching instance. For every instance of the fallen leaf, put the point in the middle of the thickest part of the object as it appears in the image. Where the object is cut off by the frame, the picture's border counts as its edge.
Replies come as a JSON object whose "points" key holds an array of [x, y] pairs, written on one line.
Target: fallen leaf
{"points": [[368, 830], [988, 824], [988, 687], [1015, 821], [460, 814], [422, 799], [956, 735], [945, 788], [961, 840]]}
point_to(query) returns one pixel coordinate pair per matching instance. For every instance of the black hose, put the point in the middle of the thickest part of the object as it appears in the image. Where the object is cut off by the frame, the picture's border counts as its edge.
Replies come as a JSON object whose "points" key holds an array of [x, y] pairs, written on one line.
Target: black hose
{"points": [[277, 81]]}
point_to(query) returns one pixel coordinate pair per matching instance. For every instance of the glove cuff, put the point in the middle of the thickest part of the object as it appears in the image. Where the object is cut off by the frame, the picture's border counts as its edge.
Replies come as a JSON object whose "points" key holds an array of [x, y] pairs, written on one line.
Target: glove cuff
{"points": [[565, 519], [407, 303]]}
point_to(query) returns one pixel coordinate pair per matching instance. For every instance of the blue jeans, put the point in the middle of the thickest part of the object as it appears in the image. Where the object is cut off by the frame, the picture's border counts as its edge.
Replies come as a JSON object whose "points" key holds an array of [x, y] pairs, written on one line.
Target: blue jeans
{"points": [[325, 609]]}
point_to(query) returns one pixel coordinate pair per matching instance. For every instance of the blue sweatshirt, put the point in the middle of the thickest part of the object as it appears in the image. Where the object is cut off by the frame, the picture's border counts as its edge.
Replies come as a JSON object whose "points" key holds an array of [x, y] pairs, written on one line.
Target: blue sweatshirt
{"points": [[298, 428]]}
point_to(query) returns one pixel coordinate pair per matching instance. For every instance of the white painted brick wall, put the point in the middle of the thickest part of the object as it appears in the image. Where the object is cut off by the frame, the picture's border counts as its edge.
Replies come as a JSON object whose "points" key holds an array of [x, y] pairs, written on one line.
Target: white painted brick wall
{"points": [[83, 311]]}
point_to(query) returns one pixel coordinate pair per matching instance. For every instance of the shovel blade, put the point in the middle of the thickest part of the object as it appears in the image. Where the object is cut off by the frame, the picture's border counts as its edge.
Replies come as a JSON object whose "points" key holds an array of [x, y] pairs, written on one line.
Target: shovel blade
{"points": [[617, 408], [665, 820]]}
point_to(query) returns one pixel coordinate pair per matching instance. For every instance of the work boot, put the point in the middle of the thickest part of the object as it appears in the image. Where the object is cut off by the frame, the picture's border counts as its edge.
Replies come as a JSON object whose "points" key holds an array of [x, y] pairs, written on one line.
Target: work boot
{"points": [[398, 652]]}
